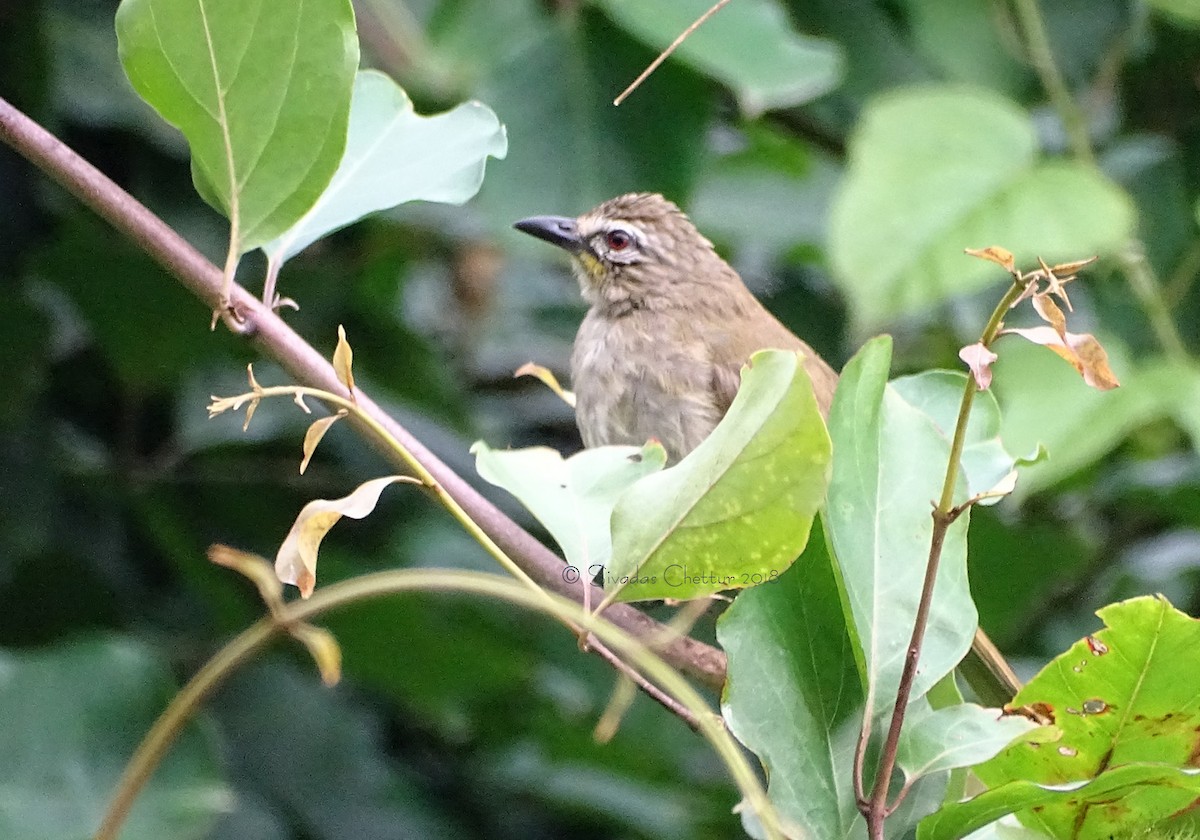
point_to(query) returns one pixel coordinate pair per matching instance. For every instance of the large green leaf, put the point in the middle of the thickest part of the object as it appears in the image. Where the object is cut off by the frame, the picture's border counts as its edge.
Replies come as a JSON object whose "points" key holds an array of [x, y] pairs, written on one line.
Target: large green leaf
{"points": [[736, 511], [572, 497], [260, 89], [793, 694], [73, 716], [1108, 791], [938, 169], [890, 466], [749, 46], [393, 156], [1120, 697]]}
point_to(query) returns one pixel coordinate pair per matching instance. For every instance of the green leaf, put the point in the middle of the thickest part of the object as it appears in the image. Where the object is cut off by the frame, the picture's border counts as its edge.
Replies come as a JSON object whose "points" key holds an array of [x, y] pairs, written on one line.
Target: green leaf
{"points": [[260, 89], [572, 498], [935, 170], [1119, 700], [736, 511], [935, 740], [793, 694], [890, 466], [749, 46], [75, 714], [393, 156], [938, 394], [1109, 791]]}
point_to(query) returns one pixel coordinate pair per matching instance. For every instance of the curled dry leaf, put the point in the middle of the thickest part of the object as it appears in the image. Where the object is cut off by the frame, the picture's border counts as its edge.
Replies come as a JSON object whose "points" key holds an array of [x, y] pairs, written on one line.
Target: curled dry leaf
{"points": [[548, 379], [296, 560], [1071, 267], [979, 359], [996, 254], [343, 360], [314, 434], [1082, 350]]}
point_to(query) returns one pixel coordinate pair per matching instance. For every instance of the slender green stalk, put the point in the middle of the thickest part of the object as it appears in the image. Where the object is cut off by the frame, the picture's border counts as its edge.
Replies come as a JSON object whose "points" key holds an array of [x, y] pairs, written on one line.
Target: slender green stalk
{"points": [[1042, 55], [366, 587], [1150, 294], [876, 809], [1141, 276]]}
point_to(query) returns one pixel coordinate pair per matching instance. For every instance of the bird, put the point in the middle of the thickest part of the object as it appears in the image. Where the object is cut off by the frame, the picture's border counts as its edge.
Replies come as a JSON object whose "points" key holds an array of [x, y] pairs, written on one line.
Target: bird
{"points": [[669, 325]]}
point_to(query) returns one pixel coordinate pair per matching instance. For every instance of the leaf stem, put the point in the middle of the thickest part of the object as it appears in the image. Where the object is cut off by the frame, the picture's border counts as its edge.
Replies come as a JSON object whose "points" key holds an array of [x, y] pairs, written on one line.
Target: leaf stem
{"points": [[366, 587], [876, 809], [1042, 55]]}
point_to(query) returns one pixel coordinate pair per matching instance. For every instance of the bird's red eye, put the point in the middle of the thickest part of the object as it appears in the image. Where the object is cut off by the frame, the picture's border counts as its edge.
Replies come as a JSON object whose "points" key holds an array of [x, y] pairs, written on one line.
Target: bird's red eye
{"points": [[618, 240]]}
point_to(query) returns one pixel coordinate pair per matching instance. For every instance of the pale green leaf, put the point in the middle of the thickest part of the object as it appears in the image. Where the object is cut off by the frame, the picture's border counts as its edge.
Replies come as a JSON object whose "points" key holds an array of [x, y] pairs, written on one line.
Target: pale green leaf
{"points": [[393, 156], [934, 170], [572, 497], [749, 46], [260, 89], [890, 466], [736, 511], [934, 740]]}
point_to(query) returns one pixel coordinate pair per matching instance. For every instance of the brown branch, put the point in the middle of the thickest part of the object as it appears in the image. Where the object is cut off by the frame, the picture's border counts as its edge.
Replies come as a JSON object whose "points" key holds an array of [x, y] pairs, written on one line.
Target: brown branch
{"points": [[276, 340]]}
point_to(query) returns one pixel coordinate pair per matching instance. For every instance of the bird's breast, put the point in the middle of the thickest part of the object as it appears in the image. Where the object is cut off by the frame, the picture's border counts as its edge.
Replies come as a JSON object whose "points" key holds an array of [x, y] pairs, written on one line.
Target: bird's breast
{"points": [[642, 376]]}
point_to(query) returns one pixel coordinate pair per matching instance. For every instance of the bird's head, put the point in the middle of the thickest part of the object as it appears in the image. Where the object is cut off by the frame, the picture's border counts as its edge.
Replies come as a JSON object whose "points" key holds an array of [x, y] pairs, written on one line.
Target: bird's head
{"points": [[633, 250]]}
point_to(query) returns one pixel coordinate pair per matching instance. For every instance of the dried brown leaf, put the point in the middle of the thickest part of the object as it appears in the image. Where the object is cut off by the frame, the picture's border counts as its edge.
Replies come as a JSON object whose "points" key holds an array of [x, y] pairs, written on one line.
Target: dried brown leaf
{"points": [[996, 254], [1082, 350], [1071, 267], [979, 359], [314, 434], [1049, 312]]}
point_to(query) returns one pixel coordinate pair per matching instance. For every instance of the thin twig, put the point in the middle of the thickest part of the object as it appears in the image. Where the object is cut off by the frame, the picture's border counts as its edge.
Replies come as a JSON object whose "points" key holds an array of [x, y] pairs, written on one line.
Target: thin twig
{"points": [[665, 54], [876, 808]]}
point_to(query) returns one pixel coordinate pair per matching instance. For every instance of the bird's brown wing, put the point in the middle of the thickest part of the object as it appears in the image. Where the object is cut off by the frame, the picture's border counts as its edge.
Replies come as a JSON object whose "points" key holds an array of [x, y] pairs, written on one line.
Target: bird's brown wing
{"points": [[731, 349]]}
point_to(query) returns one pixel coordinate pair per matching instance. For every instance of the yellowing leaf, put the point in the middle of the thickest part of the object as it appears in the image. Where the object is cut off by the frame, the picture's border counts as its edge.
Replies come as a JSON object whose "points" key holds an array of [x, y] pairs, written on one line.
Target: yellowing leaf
{"points": [[995, 254], [343, 359], [548, 379], [296, 560], [1082, 350], [251, 566], [324, 650], [979, 359], [314, 434]]}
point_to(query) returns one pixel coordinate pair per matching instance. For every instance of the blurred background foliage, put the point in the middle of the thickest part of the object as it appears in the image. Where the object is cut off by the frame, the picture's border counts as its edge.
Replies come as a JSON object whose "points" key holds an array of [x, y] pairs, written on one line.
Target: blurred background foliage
{"points": [[464, 719]]}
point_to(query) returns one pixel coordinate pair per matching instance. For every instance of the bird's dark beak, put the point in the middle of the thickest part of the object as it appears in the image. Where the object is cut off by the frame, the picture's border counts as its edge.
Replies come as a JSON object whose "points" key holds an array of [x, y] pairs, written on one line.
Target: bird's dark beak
{"points": [[557, 230]]}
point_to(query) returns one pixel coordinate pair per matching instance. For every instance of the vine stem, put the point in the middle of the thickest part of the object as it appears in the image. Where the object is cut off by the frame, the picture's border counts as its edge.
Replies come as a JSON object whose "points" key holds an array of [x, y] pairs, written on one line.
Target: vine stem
{"points": [[275, 339], [184, 705], [876, 809]]}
